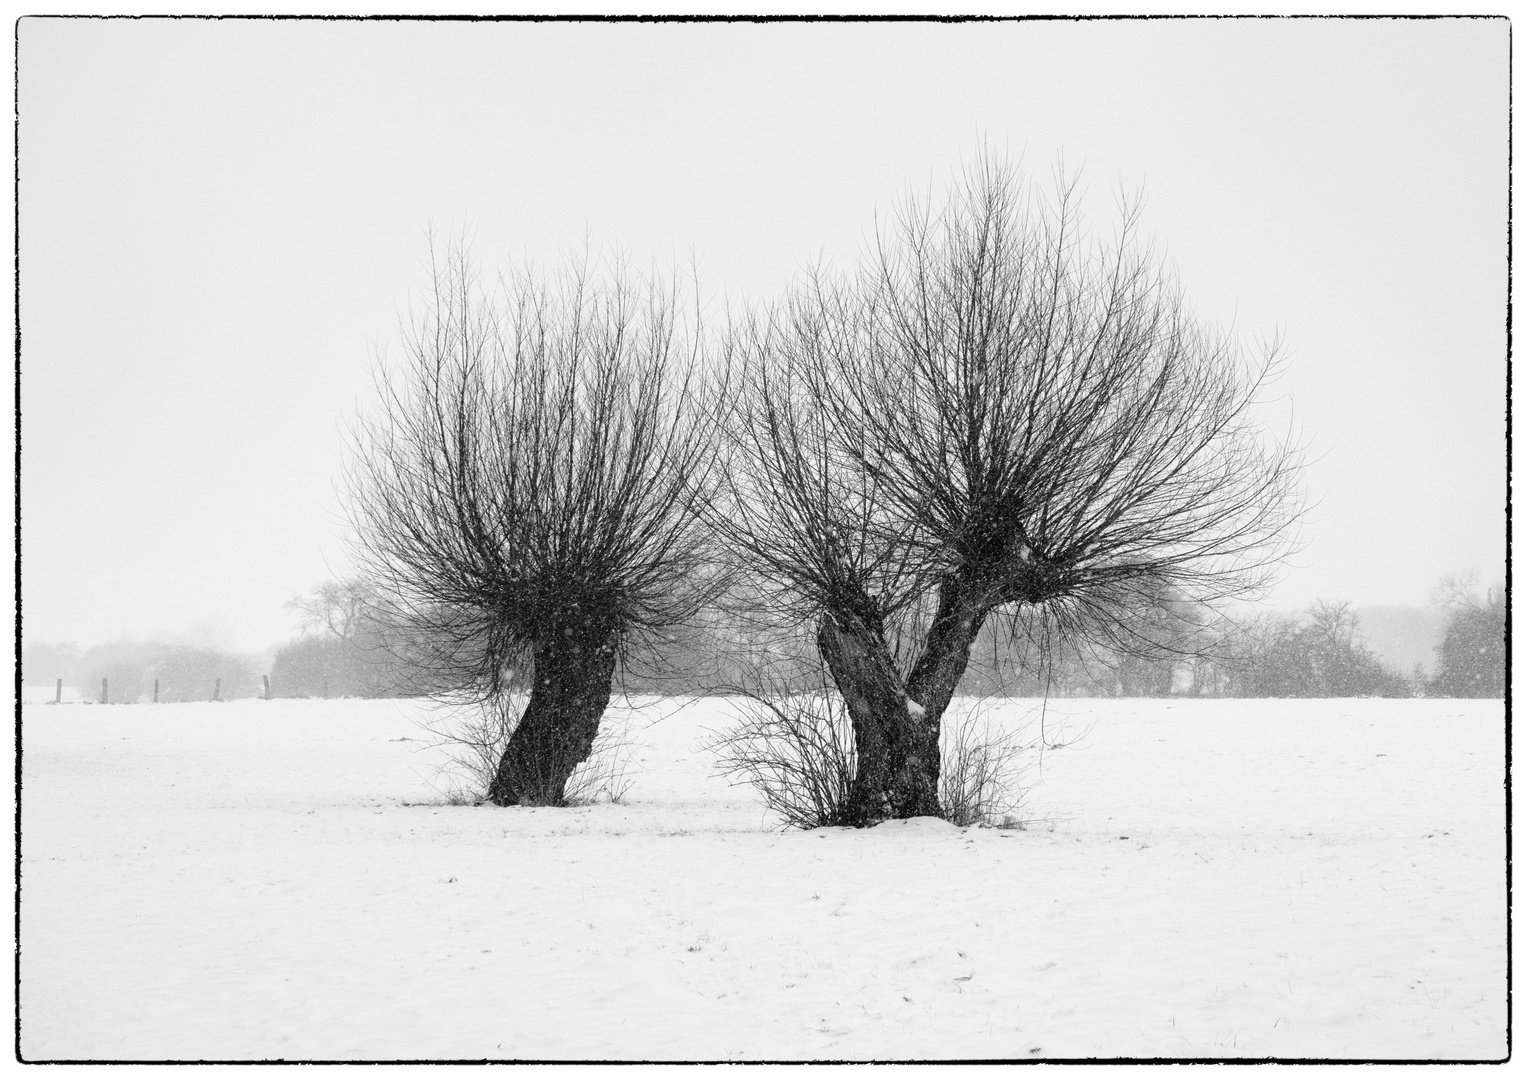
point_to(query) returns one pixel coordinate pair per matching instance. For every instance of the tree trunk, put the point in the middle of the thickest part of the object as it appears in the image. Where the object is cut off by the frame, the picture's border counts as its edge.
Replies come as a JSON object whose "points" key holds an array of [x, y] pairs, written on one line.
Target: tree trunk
{"points": [[891, 774], [896, 724], [573, 674], [946, 652]]}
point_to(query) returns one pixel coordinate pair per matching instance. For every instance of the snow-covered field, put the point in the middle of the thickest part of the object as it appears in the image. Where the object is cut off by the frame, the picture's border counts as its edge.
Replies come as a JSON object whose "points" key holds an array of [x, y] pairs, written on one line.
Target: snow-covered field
{"points": [[264, 880]]}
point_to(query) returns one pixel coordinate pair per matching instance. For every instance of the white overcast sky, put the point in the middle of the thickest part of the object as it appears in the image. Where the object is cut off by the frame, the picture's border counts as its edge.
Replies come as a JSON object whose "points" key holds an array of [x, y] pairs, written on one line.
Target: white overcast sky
{"points": [[221, 221]]}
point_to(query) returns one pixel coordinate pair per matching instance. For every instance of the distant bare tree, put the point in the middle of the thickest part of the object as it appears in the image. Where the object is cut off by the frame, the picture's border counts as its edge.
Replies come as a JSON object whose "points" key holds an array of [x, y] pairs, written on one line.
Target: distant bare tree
{"points": [[525, 494], [350, 646], [337, 608], [990, 418]]}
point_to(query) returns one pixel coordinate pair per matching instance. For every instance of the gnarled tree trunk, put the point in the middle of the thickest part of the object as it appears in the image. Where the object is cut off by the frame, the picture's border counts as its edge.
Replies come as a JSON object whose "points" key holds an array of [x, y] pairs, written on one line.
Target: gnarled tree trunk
{"points": [[896, 724], [573, 673]]}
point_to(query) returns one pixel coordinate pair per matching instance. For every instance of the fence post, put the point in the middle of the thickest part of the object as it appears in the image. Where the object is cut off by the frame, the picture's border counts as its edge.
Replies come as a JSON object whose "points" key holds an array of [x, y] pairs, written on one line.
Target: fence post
{"points": [[156, 691], [217, 690], [103, 690], [58, 692], [267, 686]]}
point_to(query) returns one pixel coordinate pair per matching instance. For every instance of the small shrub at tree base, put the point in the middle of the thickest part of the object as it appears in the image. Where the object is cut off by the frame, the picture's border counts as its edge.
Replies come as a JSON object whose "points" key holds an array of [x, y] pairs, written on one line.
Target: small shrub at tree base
{"points": [[607, 774], [980, 780], [475, 736], [797, 751]]}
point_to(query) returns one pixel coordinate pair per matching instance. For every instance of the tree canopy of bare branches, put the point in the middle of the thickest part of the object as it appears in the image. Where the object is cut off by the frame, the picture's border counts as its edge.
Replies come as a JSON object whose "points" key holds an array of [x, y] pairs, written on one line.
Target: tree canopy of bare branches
{"points": [[525, 492], [992, 415]]}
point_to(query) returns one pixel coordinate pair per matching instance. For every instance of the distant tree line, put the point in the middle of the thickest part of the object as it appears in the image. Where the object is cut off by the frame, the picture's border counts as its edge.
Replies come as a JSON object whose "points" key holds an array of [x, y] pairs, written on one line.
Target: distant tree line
{"points": [[1321, 653], [354, 646], [131, 668], [1318, 653]]}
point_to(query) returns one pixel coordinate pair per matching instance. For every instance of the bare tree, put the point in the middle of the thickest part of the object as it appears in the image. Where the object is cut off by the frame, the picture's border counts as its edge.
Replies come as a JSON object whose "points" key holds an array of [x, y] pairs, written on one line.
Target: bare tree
{"points": [[348, 647], [525, 494], [992, 417], [338, 608]]}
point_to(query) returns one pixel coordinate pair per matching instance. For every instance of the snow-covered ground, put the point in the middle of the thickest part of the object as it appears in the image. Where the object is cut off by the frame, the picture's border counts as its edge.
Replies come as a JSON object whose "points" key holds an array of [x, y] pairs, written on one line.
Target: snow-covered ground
{"points": [[262, 880]]}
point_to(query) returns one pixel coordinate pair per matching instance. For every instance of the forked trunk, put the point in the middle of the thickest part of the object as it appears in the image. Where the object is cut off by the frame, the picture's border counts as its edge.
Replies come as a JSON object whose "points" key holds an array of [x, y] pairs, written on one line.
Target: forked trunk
{"points": [[895, 774], [572, 688], [896, 724]]}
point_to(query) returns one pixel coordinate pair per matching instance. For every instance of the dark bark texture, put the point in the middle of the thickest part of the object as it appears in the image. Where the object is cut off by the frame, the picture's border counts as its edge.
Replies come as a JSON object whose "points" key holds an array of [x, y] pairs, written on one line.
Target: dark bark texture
{"points": [[897, 722], [946, 650], [573, 675]]}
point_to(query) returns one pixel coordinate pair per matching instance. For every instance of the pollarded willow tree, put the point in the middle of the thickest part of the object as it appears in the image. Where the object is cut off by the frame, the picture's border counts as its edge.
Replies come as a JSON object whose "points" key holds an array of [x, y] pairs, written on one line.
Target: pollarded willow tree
{"points": [[991, 418], [526, 491]]}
